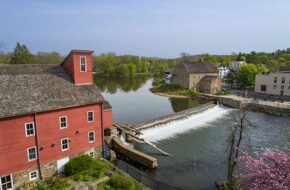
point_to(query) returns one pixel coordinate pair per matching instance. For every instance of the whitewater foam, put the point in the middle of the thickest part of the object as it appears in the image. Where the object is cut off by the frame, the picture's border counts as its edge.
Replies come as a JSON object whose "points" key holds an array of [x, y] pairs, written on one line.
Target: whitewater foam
{"points": [[173, 128]]}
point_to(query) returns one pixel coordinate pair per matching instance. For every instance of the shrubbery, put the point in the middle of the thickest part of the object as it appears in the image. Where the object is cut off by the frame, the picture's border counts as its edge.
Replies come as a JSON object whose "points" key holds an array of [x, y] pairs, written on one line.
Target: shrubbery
{"points": [[85, 168], [119, 182], [57, 182], [170, 88]]}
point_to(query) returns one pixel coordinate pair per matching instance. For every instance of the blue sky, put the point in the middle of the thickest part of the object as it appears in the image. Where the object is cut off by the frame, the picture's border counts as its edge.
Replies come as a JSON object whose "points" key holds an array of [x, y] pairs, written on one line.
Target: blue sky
{"points": [[155, 28]]}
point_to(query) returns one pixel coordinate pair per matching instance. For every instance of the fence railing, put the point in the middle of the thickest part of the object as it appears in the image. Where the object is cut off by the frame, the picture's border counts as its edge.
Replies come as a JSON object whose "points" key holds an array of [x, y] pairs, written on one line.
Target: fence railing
{"points": [[143, 177]]}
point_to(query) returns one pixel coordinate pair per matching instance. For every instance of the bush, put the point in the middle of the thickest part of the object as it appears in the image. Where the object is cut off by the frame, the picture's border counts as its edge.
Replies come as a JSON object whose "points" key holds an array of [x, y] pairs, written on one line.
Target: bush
{"points": [[158, 82], [170, 88], [85, 168], [78, 164], [119, 182], [193, 93], [57, 182]]}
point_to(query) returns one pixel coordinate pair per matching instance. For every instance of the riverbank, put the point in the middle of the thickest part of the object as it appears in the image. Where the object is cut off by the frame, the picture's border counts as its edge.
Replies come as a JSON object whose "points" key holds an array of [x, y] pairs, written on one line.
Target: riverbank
{"points": [[266, 106], [235, 101]]}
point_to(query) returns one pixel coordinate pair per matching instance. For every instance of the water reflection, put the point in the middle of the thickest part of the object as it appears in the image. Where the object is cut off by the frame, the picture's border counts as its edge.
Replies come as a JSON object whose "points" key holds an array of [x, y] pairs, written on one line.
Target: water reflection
{"points": [[133, 102], [111, 84], [179, 104]]}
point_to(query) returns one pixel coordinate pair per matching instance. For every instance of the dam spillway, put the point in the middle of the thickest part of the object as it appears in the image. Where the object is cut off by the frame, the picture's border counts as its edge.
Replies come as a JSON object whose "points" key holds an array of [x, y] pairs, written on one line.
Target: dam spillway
{"points": [[181, 122]]}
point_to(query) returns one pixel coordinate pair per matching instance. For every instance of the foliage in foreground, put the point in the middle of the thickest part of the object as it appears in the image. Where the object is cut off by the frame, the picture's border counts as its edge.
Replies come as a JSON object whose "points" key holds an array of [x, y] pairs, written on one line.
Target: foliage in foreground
{"points": [[57, 182], [85, 168], [267, 172], [119, 182]]}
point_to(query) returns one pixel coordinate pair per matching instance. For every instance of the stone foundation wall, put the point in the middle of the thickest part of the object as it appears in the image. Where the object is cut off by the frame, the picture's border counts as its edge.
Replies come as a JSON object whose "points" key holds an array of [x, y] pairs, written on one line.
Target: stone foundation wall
{"points": [[48, 170], [22, 177]]}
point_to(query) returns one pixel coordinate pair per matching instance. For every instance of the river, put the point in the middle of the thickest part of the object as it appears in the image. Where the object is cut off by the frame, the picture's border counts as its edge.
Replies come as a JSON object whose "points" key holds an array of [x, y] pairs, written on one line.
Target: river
{"points": [[198, 144]]}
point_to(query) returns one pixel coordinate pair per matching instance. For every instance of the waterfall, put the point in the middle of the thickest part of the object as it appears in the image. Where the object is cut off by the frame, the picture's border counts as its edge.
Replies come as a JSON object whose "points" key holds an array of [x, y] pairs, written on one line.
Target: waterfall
{"points": [[195, 121]]}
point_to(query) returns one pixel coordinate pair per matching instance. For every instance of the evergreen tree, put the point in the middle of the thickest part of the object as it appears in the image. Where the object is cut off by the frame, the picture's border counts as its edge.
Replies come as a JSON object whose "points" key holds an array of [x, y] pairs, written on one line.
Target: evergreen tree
{"points": [[21, 55]]}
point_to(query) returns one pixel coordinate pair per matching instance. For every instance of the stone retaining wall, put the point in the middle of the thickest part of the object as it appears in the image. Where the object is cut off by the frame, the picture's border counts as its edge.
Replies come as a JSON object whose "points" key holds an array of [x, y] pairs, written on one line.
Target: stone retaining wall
{"points": [[253, 105]]}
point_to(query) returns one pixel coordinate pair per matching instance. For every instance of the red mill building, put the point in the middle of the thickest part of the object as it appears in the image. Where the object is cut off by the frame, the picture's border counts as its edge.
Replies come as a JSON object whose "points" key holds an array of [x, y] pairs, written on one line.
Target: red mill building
{"points": [[48, 113]]}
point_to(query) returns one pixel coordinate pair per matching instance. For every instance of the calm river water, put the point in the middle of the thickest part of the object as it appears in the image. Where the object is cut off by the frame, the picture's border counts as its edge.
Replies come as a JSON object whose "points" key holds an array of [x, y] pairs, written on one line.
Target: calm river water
{"points": [[198, 144]]}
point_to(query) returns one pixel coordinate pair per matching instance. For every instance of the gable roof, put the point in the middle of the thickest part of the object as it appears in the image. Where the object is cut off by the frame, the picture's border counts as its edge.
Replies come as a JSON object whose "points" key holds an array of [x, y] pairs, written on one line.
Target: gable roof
{"points": [[36, 88], [199, 67], [209, 78]]}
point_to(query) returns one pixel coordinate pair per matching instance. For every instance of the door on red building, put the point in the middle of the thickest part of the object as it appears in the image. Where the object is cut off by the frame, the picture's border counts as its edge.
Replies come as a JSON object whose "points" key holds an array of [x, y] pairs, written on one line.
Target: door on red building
{"points": [[6, 182], [61, 163]]}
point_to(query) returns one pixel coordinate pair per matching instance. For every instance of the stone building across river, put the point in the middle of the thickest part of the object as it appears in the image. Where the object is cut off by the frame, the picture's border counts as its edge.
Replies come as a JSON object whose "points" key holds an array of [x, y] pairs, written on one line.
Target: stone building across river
{"points": [[200, 76]]}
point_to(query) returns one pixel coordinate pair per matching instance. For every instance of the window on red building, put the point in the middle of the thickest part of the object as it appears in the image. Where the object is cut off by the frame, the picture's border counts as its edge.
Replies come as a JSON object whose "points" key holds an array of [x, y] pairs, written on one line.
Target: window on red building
{"points": [[83, 64], [63, 122], [31, 153], [90, 116], [91, 136], [64, 144], [29, 129]]}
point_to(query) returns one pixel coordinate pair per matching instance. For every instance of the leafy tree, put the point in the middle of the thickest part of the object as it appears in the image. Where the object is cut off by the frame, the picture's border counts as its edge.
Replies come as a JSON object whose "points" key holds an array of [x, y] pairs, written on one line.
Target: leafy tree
{"points": [[267, 172], [246, 75], [225, 60], [21, 55], [212, 59], [48, 58], [261, 68]]}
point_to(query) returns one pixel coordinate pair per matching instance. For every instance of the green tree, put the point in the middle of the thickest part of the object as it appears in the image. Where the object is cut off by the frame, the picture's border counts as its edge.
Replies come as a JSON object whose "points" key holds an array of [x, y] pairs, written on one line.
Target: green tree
{"points": [[246, 75], [261, 68], [21, 55], [225, 60], [48, 58], [211, 58]]}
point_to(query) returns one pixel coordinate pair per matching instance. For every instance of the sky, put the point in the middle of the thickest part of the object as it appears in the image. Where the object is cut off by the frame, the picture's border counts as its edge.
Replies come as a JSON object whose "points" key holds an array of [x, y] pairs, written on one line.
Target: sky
{"points": [[152, 28]]}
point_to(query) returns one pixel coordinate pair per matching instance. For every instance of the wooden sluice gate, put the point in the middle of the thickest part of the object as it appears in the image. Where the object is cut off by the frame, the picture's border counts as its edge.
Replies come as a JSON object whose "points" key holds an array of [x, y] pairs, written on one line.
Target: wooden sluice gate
{"points": [[135, 155]]}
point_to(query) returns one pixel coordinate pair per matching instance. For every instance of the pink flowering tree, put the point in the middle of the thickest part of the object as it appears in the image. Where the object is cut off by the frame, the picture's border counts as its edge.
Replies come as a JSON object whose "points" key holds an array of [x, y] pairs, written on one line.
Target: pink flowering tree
{"points": [[269, 171]]}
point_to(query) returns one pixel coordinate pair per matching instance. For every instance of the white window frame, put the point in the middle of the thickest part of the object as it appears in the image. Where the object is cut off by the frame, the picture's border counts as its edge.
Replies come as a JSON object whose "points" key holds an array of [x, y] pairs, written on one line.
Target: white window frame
{"points": [[85, 64], [33, 128], [62, 149], [31, 178], [92, 154], [92, 116], [11, 181], [91, 141], [60, 122], [34, 147]]}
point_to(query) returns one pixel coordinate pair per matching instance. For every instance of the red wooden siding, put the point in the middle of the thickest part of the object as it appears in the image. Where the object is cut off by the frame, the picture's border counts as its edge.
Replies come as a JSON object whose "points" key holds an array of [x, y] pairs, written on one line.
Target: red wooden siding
{"points": [[14, 143], [72, 65], [108, 118]]}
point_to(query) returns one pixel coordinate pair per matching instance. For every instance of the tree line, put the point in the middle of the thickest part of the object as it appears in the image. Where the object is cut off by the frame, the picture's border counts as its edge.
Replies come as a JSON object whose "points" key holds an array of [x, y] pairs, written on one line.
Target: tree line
{"points": [[112, 64]]}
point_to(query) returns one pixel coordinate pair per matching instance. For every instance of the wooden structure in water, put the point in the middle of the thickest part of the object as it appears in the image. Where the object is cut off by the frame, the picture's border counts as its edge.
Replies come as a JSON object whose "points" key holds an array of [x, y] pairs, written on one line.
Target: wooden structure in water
{"points": [[131, 132], [133, 154]]}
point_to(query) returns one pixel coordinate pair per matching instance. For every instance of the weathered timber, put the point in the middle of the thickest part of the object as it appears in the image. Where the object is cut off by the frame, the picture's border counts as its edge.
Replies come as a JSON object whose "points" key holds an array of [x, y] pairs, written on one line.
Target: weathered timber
{"points": [[136, 136], [133, 154]]}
